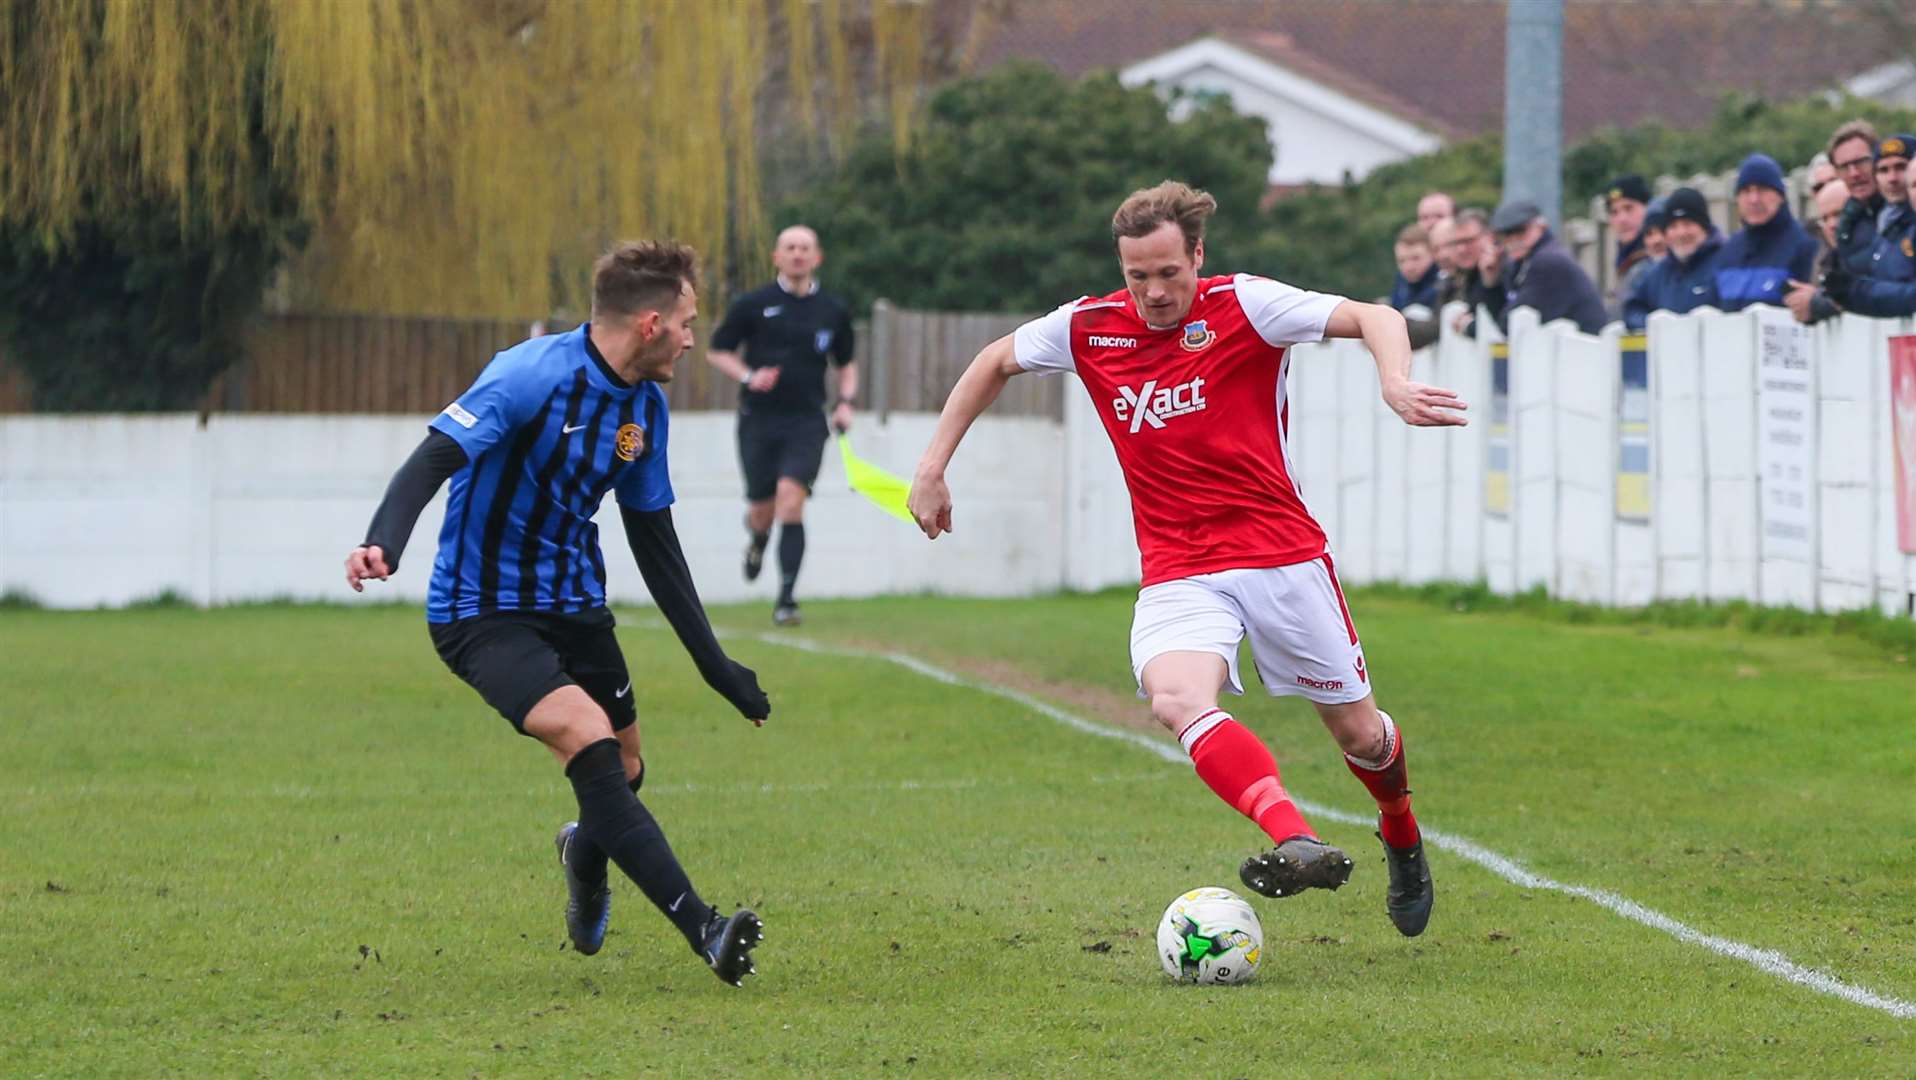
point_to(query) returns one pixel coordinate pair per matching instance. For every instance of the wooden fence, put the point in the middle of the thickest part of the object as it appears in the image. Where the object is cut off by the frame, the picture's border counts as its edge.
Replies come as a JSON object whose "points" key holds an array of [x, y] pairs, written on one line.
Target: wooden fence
{"points": [[908, 361]]}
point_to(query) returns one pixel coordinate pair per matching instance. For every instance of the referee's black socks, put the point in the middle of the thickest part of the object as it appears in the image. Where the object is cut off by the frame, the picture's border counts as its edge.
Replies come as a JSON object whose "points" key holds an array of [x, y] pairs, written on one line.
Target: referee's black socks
{"points": [[611, 816], [791, 552]]}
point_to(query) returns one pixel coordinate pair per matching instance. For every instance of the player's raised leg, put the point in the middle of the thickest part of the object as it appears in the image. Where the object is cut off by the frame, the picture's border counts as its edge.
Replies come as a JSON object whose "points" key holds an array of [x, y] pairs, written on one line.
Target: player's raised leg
{"points": [[1374, 749], [612, 819], [1236, 765]]}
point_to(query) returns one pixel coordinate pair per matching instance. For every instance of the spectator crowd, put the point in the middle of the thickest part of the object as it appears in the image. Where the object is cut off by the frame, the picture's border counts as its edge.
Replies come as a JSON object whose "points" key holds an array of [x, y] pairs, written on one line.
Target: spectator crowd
{"points": [[1672, 256]]}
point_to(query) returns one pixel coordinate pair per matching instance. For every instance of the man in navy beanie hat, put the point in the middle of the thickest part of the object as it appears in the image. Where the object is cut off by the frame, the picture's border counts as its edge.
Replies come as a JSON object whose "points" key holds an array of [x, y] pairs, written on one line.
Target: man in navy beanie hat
{"points": [[1758, 263], [1685, 278]]}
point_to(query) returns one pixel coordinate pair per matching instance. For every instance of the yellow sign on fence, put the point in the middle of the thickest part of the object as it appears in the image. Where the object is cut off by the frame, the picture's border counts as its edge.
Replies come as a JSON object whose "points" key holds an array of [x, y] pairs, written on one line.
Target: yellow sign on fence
{"points": [[1497, 455]]}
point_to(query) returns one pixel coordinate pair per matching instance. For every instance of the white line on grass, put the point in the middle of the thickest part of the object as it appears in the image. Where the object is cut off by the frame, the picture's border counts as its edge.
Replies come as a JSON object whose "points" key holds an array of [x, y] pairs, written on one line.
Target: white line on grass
{"points": [[1767, 960]]}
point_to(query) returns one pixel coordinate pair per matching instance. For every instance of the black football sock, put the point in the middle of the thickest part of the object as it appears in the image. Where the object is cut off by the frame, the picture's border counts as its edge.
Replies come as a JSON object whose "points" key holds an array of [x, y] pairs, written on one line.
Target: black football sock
{"points": [[586, 858], [759, 539], [614, 820], [791, 552]]}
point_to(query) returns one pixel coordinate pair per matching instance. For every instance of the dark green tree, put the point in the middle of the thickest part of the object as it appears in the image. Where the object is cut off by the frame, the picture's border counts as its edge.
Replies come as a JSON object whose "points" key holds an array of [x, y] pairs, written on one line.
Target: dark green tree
{"points": [[1003, 201]]}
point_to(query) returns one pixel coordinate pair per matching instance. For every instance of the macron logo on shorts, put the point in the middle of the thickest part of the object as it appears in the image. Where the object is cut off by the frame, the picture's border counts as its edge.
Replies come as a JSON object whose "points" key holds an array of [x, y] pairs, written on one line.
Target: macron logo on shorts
{"points": [[1150, 405]]}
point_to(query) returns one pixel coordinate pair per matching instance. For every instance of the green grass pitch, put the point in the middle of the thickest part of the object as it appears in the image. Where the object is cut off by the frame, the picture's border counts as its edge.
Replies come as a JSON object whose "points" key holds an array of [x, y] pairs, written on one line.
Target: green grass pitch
{"points": [[284, 841]]}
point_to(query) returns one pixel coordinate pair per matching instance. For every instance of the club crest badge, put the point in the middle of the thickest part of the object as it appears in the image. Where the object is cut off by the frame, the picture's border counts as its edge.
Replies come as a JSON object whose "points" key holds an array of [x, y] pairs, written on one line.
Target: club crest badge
{"points": [[631, 442], [1197, 336]]}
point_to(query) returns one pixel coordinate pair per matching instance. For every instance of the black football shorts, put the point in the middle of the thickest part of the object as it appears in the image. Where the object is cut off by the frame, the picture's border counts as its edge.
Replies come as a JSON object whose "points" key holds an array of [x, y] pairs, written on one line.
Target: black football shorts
{"points": [[773, 445], [515, 658]]}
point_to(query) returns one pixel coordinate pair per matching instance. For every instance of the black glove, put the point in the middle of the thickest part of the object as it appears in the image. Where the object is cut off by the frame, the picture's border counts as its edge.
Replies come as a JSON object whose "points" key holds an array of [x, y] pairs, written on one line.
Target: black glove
{"points": [[739, 685], [1837, 283]]}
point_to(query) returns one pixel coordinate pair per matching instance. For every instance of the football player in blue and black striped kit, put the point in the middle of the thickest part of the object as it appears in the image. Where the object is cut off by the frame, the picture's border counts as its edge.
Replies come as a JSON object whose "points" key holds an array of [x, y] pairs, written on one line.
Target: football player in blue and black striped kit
{"points": [[517, 604]]}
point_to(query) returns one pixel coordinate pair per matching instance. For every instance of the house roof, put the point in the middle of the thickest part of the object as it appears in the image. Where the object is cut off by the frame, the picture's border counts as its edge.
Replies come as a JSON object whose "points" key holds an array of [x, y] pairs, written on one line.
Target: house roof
{"points": [[1439, 63]]}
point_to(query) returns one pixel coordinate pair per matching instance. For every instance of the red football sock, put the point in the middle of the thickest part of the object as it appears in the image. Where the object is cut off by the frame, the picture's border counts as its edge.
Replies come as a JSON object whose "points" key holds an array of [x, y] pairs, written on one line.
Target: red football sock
{"points": [[1239, 767], [1389, 784]]}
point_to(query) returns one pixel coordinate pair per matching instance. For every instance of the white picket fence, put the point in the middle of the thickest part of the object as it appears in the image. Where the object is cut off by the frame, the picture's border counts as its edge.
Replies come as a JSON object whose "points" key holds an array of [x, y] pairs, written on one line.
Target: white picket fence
{"points": [[1577, 480], [1424, 505]]}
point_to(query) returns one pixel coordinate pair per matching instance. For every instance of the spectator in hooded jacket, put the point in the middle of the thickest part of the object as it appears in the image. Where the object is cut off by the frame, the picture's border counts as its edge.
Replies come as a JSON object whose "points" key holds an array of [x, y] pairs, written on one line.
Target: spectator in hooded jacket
{"points": [[1416, 285], [1759, 262], [1686, 278], [1890, 290]]}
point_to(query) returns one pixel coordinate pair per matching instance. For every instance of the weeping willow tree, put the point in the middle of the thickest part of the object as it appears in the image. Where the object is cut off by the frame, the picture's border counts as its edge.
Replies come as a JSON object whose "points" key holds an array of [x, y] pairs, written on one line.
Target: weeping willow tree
{"points": [[452, 157]]}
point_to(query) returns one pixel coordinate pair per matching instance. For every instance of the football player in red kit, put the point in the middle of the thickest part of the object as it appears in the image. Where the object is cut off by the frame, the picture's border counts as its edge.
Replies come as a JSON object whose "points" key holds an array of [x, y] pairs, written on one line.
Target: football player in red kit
{"points": [[1187, 375]]}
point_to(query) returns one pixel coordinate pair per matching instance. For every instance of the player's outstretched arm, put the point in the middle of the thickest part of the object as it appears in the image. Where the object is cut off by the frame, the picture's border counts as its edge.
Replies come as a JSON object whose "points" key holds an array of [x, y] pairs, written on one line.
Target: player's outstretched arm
{"points": [[412, 487], [1383, 331], [978, 387], [655, 546]]}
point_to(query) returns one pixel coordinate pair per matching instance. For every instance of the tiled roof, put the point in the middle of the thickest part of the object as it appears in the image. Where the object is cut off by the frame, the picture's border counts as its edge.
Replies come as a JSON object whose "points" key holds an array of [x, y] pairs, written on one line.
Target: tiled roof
{"points": [[1440, 63]]}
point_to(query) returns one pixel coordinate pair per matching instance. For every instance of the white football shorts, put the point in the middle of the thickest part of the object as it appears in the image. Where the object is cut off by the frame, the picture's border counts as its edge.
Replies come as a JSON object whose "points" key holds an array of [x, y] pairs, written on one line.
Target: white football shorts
{"points": [[1302, 638]]}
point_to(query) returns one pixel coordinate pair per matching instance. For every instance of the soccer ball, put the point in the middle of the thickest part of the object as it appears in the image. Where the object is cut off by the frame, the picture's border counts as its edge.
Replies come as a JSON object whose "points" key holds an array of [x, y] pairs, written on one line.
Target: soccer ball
{"points": [[1210, 935]]}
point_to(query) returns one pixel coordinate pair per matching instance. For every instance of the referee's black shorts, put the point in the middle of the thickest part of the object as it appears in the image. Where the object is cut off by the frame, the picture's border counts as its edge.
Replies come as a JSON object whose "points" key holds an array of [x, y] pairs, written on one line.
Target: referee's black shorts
{"points": [[515, 658], [780, 444]]}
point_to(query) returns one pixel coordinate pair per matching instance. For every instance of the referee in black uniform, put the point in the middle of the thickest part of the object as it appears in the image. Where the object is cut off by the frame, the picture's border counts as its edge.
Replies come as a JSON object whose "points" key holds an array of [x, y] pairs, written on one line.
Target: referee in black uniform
{"points": [[790, 332]]}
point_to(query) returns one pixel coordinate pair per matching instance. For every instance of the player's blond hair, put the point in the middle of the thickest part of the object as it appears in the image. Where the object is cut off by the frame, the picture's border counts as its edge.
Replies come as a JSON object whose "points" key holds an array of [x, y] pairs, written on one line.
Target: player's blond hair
{"points": [[1146, 210], [642, 275]]}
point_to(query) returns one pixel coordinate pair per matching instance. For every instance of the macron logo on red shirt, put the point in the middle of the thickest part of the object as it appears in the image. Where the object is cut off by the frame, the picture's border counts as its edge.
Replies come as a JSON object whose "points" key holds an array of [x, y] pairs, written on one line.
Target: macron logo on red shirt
{"points": [[1150, 405]]}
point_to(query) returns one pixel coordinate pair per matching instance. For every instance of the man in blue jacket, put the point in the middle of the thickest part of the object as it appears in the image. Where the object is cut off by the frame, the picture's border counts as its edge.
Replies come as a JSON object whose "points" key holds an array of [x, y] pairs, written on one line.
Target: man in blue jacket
{"points": [[1685, 278], [1758, 263]]}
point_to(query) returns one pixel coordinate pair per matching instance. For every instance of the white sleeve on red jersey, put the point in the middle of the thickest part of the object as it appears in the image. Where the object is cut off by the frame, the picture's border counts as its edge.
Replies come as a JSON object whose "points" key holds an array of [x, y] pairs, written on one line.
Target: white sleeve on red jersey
{"points": [[1043, 345], [1284, 314]]}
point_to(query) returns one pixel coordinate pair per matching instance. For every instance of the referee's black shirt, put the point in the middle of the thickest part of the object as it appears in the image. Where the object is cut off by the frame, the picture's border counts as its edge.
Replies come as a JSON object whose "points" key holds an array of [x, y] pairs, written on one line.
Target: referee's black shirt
{"points": [[797, 334]]}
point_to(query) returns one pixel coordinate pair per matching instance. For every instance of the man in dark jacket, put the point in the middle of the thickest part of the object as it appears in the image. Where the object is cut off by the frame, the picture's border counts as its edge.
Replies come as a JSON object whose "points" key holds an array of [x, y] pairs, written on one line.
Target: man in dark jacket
{"points": [[1890, 289], [1684, 279], [1538, 272], [1417, 273], [1759, 262], [1853, 152]]}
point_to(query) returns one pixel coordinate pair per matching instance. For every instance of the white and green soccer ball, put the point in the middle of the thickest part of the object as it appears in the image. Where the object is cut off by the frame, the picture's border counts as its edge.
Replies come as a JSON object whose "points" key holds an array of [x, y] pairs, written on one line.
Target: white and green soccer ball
{"points": [[1210, 935]]}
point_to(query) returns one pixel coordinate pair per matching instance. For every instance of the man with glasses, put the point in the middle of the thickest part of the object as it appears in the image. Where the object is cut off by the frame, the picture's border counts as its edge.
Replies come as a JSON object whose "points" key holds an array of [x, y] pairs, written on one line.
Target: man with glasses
{"points": [[1853, 154]]}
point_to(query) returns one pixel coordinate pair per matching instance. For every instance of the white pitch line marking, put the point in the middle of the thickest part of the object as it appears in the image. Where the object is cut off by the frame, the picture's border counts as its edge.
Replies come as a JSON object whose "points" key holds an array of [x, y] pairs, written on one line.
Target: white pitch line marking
{"points": [[1767, 960]]}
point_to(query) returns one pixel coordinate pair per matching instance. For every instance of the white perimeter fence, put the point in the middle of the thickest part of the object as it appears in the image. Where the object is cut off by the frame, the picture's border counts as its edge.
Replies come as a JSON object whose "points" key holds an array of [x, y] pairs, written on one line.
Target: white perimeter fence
{"points": [[1730, 457]]}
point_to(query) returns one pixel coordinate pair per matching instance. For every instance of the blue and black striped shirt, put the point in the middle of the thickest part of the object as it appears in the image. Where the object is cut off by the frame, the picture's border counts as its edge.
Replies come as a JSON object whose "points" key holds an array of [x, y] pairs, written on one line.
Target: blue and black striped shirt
{"points": [[548, 429]]}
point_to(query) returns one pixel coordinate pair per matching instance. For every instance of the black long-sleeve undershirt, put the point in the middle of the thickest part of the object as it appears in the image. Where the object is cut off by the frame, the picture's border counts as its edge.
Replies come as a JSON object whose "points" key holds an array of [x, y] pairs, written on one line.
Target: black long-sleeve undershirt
{"points": [[435, 459], [655, 547]]}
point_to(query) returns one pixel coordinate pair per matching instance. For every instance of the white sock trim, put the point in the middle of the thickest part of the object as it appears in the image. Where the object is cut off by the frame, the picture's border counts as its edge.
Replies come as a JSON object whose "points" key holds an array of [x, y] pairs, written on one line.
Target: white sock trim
{"points": [[1201, 726], [1390, 746]]}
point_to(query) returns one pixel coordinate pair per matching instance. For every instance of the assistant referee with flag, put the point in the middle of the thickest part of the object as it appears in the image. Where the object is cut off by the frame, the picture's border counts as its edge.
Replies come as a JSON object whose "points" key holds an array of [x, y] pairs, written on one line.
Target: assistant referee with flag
{"points": [[791, 332]]}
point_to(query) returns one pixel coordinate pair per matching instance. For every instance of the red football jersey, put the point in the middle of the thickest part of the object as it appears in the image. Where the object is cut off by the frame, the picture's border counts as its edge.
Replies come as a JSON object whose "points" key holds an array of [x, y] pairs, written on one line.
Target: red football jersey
{"points": [[1198, 417]]}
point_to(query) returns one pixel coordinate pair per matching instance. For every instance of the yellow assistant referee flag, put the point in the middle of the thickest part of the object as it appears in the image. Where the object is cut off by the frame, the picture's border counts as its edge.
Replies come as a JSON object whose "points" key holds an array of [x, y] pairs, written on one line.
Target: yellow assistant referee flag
{"points": [[887, 492]]}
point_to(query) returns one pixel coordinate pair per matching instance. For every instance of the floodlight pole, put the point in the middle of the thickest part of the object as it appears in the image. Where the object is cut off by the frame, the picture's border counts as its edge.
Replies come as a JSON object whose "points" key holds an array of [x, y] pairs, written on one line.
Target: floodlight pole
{"points": [[1533, 105]]}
